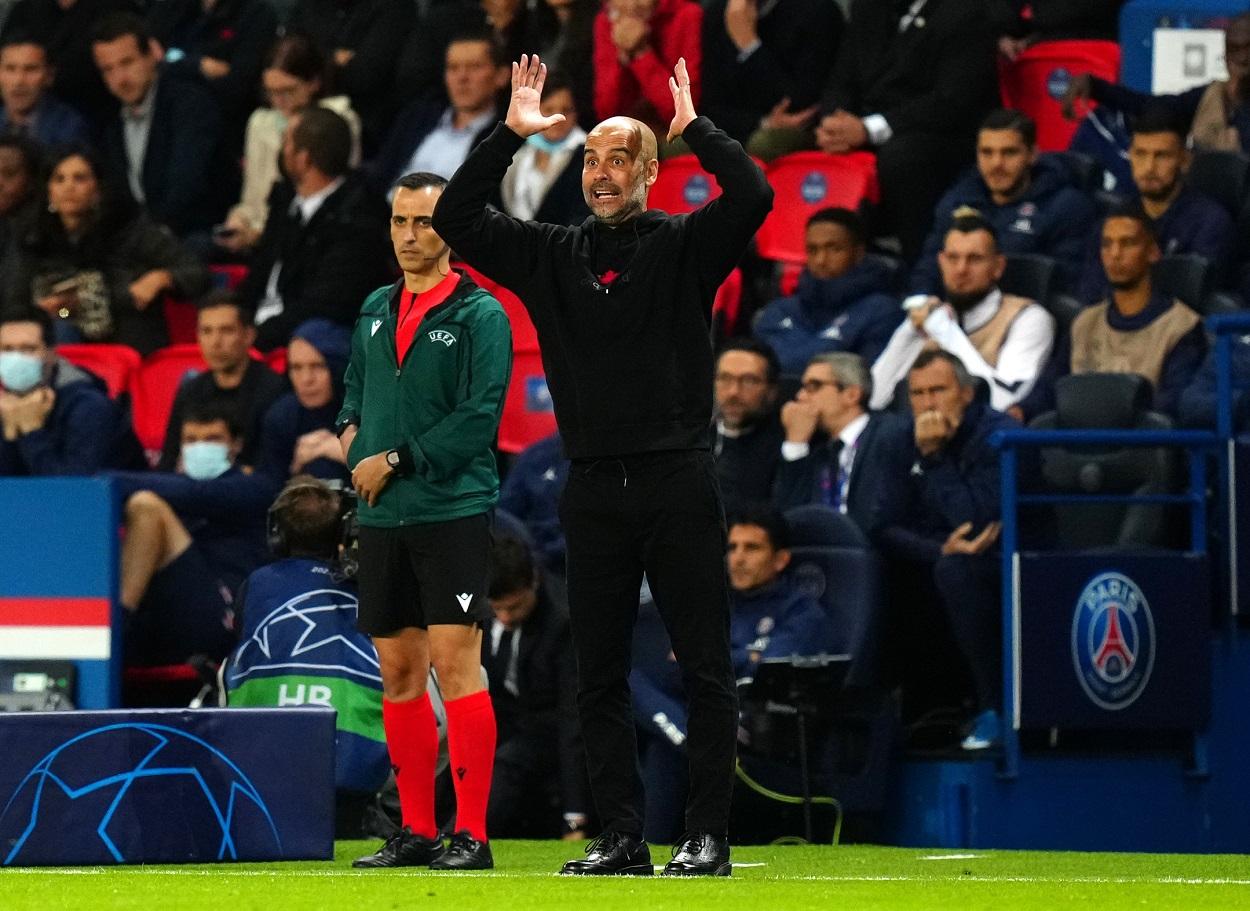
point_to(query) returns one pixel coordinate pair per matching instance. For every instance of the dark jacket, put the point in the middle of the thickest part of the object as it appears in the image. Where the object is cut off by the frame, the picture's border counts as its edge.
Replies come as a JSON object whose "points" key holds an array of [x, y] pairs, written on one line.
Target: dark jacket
{"points": [[1182, 106], [328, 265], [124, 246], [564, 204], [1051, 218], [878, 472], [251, 399], [225, 516], [746, 465], [1179, 366], [236, 32], [181, 166], [793, 61], [543, 711], [439, 408], [1049, 20], [81, 435], [1193, 223], [775, 621], [650, 324], [531, 492], [935, 78], [854, 312], [958, 484], [1198, 402], [407, 132], [56, 123]]}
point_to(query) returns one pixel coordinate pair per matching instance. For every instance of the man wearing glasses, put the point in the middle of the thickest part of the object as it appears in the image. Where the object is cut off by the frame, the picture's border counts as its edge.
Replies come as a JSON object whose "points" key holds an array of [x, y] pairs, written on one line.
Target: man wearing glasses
{"points": [[1001, 338], [748, 434]]}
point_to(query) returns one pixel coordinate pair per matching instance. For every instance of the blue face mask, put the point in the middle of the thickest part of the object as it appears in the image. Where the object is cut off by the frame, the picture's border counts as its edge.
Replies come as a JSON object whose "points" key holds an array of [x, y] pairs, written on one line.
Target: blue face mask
{"points": [[205, 461], [543, 144], [20, 372]]}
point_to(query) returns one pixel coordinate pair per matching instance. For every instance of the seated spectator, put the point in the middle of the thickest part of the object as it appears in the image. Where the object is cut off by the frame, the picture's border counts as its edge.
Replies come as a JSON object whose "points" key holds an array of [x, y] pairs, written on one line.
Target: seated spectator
{"points": [[191, 539], [434, 137], [29, 107], [1198, 401], [170, 169], [544, 182], [836, 452], [1134, 330], [843, 301], [95, 262], [911, 84], [65, 28], [748, 434], [1001, 338], [636, 45], [220, 43], [225, 333], [19, 184], [947, 528], [764, 66], [293, 78], [531, 492], [769, 618], [1030, 201], [57, 419], [1183, 220], [540, 789], [1215, 115], [298, 432], [325, 244], [362, 39]]}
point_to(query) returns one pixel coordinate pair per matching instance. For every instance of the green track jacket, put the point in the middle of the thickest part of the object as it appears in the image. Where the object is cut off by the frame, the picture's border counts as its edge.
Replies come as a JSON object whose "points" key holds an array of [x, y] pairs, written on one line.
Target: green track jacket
{"points": [[440, 408]]}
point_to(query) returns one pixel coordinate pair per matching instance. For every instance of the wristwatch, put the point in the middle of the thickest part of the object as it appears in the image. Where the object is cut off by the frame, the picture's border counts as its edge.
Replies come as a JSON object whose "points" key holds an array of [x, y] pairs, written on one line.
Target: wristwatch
{"points": [[392, 458]]}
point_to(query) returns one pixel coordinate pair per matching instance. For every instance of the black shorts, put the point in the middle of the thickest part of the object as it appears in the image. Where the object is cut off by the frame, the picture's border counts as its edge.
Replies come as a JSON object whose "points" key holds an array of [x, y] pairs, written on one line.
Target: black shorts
{"points": [[186, 611], [419, 575]]}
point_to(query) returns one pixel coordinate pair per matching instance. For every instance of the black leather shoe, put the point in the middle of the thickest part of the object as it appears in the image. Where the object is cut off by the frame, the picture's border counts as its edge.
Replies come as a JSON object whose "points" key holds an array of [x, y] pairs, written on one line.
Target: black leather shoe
{"points": [[464, 852], [612, 854], [403, 849], [700, 854]]}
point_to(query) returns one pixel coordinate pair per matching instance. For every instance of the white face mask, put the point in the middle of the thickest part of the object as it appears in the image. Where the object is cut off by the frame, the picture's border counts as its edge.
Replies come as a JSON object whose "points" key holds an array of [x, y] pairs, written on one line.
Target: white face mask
{"points": [[205, 460], [20, 372]]}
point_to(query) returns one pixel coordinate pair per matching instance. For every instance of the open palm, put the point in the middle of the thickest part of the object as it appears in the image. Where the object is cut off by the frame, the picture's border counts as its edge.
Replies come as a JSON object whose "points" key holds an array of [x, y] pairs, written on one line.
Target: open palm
{"points": [[524, 116]]}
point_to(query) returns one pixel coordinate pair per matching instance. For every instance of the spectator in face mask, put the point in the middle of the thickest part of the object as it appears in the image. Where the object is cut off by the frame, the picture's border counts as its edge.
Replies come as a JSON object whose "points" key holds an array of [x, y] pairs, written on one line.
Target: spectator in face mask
{"points": [[192, 537], [57, 419]]}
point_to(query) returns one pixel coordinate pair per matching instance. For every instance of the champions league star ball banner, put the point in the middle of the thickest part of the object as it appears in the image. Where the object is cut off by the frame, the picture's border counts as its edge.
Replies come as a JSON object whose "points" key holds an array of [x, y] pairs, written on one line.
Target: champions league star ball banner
{"points": [[1112, 641], [166, 786]]}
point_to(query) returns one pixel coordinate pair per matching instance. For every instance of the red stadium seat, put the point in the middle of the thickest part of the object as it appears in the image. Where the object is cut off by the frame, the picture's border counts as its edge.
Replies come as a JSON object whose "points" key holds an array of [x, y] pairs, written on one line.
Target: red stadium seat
{"points": [[152, 391], [276, 359], [228, 275], [804, 183], [682, 186], [180, 321], [527, 415], [1026, 83], [726, 305], [524, 335], [115, 364]]}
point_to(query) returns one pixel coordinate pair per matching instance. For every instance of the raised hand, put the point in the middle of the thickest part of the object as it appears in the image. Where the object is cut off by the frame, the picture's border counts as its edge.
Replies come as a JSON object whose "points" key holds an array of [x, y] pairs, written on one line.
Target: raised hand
{"points": [[683, 103], [524, 116]]}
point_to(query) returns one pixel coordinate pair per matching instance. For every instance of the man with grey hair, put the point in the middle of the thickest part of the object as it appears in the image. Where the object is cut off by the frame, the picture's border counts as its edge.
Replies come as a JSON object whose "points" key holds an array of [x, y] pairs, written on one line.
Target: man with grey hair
{"points": [[835, 452]]}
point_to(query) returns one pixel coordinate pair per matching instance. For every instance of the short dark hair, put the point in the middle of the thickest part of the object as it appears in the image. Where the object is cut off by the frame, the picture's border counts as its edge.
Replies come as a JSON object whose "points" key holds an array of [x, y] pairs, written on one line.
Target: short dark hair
{"points": [[419, 180], [27, 150], [17, 39], [512, 566], [296, 54], [38, 317], [772, 364], [969, 221], [119, 25], [558, 82], [327, 139], [1158, 118], [925, 358], [1134, 212], [211, 410], [498, 54], [1018, 122], [847, 219], [765, 516], [307, 514], [222, 297]]}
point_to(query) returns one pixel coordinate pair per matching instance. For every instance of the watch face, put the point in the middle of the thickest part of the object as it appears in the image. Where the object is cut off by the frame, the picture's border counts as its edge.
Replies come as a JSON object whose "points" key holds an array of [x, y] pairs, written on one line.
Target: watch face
{"points": [[392, 459]]}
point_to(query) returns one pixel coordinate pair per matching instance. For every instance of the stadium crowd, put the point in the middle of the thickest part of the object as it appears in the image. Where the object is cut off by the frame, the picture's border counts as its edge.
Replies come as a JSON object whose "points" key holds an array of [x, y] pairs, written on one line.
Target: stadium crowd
{"points": [[239, 155]]}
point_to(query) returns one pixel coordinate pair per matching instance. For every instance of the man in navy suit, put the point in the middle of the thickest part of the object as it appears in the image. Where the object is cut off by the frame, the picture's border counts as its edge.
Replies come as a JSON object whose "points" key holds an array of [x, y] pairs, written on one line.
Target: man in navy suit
{"points": [[163, 142], [835, 452]]}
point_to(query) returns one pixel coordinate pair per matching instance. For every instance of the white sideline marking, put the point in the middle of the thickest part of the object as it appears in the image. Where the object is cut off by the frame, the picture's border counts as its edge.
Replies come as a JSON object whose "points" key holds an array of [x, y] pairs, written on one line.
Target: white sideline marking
{"points": [[952, 856]]}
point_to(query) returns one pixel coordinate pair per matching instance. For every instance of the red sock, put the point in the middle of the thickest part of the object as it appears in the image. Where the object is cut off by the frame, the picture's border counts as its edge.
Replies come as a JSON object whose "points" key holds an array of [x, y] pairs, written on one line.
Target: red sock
{"points": [[471, 745], [412, 741]]}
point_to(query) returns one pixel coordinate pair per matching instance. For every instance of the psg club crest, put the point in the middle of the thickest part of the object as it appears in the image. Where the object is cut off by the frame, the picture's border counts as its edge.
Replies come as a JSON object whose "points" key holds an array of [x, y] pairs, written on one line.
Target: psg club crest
{"points": [[1113, 641]]}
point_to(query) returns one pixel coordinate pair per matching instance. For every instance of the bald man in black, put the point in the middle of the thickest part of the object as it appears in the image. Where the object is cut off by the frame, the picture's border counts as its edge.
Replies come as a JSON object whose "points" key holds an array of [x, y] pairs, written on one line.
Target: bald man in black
{"points": [[622, 304]]}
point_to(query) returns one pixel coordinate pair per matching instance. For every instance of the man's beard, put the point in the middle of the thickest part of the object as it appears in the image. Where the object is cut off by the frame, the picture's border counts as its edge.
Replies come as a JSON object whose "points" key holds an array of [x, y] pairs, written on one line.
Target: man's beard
{"points": [[966, 301], [1126, 284], [1159, 195], [634, 205]]}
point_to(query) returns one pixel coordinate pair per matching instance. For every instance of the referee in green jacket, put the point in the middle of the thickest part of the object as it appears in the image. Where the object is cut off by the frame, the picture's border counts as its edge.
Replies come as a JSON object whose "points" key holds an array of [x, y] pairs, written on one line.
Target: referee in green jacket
{"points": [[431, 356]]}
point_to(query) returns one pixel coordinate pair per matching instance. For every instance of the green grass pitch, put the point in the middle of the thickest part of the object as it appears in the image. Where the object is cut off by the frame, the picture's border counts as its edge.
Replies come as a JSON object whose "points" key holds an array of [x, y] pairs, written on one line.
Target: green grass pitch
{"points": [[766, 878]]}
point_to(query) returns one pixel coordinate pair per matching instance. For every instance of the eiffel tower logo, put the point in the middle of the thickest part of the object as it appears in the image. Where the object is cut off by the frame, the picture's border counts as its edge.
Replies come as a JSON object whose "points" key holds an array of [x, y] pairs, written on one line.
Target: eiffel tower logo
{"points": [[1113, 645]]}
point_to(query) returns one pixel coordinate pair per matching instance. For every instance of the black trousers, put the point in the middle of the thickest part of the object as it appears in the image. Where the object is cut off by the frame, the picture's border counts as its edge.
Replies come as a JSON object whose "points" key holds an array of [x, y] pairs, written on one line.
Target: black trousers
{"points": [[658, 514], [971, 590]]}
